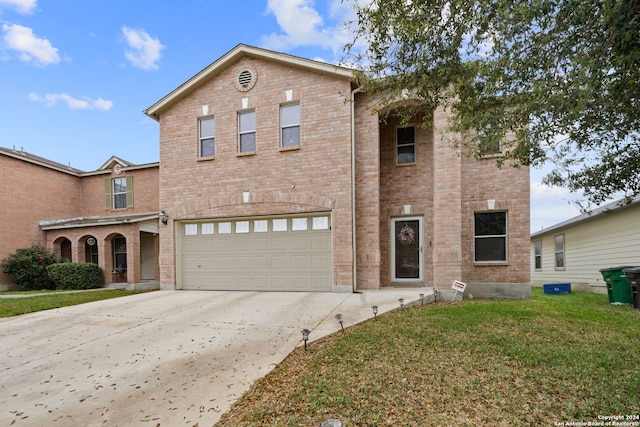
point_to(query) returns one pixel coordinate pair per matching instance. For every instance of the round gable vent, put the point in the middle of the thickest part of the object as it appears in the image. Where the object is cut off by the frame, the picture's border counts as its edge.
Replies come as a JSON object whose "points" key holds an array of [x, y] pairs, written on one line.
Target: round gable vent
{"points": [[246, 79]]}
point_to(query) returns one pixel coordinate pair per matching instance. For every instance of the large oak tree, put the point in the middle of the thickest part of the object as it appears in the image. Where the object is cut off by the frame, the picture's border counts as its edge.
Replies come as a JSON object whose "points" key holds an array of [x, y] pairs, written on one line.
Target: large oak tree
{"points": [[560, 77]]}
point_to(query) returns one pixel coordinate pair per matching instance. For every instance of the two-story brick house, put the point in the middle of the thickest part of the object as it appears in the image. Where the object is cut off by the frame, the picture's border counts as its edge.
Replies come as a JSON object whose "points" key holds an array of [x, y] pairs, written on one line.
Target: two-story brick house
{"points": [[82, 216], [277, 175]]}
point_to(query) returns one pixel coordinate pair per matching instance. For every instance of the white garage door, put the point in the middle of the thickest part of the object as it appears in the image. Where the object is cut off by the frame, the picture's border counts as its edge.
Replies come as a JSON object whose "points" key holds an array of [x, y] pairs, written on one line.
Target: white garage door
{"points": [[266, 254]]}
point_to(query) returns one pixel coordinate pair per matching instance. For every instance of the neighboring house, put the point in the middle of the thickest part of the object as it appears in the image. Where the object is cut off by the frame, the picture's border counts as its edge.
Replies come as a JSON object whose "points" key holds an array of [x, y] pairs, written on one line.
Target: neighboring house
{"points": [[82, 216], [277, 175], [574, 251]]}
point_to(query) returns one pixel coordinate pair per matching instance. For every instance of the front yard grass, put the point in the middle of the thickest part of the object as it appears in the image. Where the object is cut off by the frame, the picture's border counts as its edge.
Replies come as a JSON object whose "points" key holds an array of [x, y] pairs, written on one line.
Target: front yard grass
{"points": [[553, 360], [54, 299]]}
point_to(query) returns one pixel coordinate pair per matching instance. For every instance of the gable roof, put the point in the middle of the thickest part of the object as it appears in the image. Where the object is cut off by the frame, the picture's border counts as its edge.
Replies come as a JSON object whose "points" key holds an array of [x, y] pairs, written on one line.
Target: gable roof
{"points": [[233, 56], [114, 160], [37, 160], [598, 212], [50, 164]]}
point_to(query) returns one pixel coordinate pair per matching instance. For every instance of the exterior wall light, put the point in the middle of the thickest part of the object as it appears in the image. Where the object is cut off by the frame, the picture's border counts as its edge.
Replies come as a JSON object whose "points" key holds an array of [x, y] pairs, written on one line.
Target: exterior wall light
{"points": [[164, 218]]}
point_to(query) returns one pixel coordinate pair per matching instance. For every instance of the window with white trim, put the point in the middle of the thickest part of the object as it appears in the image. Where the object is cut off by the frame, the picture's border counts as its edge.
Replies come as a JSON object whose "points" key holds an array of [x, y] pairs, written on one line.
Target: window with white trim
{"points": [[247, 132], [279, 224], [207, 228], [490, 236], [190, 229], [119, 193], [299, 224], [260, 226], [242, 227], [224, 228], [559, 251], [290, 125], [207, 145], [320, 223], [537, 254], [405, 145]]}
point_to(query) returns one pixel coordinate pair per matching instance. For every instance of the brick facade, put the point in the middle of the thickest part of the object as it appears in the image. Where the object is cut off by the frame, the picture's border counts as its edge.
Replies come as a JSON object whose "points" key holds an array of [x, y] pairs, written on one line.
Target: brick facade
{"points": [[442, 188], [61, 208]]}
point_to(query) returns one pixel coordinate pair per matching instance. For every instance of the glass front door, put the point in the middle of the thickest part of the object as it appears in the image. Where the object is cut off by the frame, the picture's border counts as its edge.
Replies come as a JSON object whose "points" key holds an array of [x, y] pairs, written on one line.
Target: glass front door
{"points": [[407, 261]]}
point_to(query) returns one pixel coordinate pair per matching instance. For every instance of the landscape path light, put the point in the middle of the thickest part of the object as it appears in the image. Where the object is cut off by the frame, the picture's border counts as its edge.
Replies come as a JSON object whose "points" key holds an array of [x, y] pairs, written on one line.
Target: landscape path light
{"points": [[375, 312], [339, 317], [421, 299], [305, 337], [401, 301]]}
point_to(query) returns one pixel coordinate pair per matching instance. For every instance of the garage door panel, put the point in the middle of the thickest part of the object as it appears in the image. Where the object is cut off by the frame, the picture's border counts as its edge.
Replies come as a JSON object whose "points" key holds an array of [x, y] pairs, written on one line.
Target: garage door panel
{"points": [[242, 263], [244, 243], [320, 262], [261, 259], [279, 242], [280, 262], [300, 243], [261, 263], [300, 262]]}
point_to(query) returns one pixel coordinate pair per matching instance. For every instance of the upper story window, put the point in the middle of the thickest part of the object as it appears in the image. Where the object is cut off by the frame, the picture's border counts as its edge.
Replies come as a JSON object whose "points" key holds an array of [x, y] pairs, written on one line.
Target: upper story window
{"points": [[406, 145], [119, 192], [537, 254], [489, 142], [559, 251], [490, 235], [290, 125], [247, 132], [207, 145], [488, 148]]}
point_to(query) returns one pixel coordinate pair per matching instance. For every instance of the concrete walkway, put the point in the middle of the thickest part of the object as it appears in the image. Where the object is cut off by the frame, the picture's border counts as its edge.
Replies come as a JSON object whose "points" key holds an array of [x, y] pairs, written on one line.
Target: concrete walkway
{"points": [[165, 358]]}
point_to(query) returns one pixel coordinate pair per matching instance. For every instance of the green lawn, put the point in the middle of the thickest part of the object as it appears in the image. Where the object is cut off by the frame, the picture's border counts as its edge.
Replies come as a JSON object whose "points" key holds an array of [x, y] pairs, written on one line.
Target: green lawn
{"points": [[554, 359], [46, 300]]}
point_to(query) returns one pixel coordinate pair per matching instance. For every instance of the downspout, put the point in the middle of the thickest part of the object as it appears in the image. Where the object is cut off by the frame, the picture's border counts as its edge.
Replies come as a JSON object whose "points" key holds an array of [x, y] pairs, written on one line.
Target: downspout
{"points": [[353, 187]]}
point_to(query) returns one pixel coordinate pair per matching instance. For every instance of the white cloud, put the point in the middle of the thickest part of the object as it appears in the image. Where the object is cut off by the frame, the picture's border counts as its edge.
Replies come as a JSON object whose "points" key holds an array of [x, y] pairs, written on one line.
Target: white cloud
{"points": [[84, 103], [302, 25], [144, 50], [24, 7], [31, 48]]}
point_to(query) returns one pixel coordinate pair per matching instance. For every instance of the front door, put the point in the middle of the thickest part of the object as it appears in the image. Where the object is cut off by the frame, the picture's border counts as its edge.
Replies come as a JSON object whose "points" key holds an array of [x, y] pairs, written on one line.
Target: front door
{"points": [[406, 248]]}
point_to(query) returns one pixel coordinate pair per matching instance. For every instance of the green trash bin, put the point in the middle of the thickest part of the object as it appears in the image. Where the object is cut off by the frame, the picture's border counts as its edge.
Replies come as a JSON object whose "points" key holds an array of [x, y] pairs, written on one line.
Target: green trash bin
{"points": [[617, 284]]}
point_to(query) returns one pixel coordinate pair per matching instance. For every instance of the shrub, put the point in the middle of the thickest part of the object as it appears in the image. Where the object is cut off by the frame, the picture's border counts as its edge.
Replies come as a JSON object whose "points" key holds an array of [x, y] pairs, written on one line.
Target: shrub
{"points": [[73, 275], [27, 267]]}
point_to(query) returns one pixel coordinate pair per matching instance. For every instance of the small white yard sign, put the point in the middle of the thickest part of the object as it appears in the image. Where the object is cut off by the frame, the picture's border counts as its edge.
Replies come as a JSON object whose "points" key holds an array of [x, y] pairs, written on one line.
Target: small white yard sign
{"points": [[458, 286]]}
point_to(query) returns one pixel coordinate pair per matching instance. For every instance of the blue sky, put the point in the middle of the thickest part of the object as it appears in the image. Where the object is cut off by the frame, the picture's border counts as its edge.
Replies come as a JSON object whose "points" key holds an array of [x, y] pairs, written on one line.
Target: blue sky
{"points": [[76, 75]]}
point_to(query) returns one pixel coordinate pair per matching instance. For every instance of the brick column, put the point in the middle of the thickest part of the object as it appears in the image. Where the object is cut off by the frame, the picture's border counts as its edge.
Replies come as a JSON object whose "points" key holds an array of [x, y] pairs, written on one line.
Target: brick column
{"points": [[447, 206], [367, 195], [133, 255], [105, 258]]}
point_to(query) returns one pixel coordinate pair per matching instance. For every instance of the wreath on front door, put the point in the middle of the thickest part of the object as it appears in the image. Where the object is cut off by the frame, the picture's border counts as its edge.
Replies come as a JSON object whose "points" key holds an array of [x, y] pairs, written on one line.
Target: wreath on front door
{"points": [[407, 235]]}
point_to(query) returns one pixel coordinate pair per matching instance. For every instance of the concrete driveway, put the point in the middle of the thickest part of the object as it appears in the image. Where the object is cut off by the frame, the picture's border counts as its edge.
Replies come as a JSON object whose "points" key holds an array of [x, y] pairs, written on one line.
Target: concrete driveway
{"points": [[165, 358]]}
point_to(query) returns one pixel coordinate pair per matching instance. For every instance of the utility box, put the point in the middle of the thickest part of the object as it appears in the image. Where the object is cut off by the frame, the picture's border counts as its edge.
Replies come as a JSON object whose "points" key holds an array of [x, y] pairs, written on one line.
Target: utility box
{"points": [[633, 277], [618, 287], [557, 288]]}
